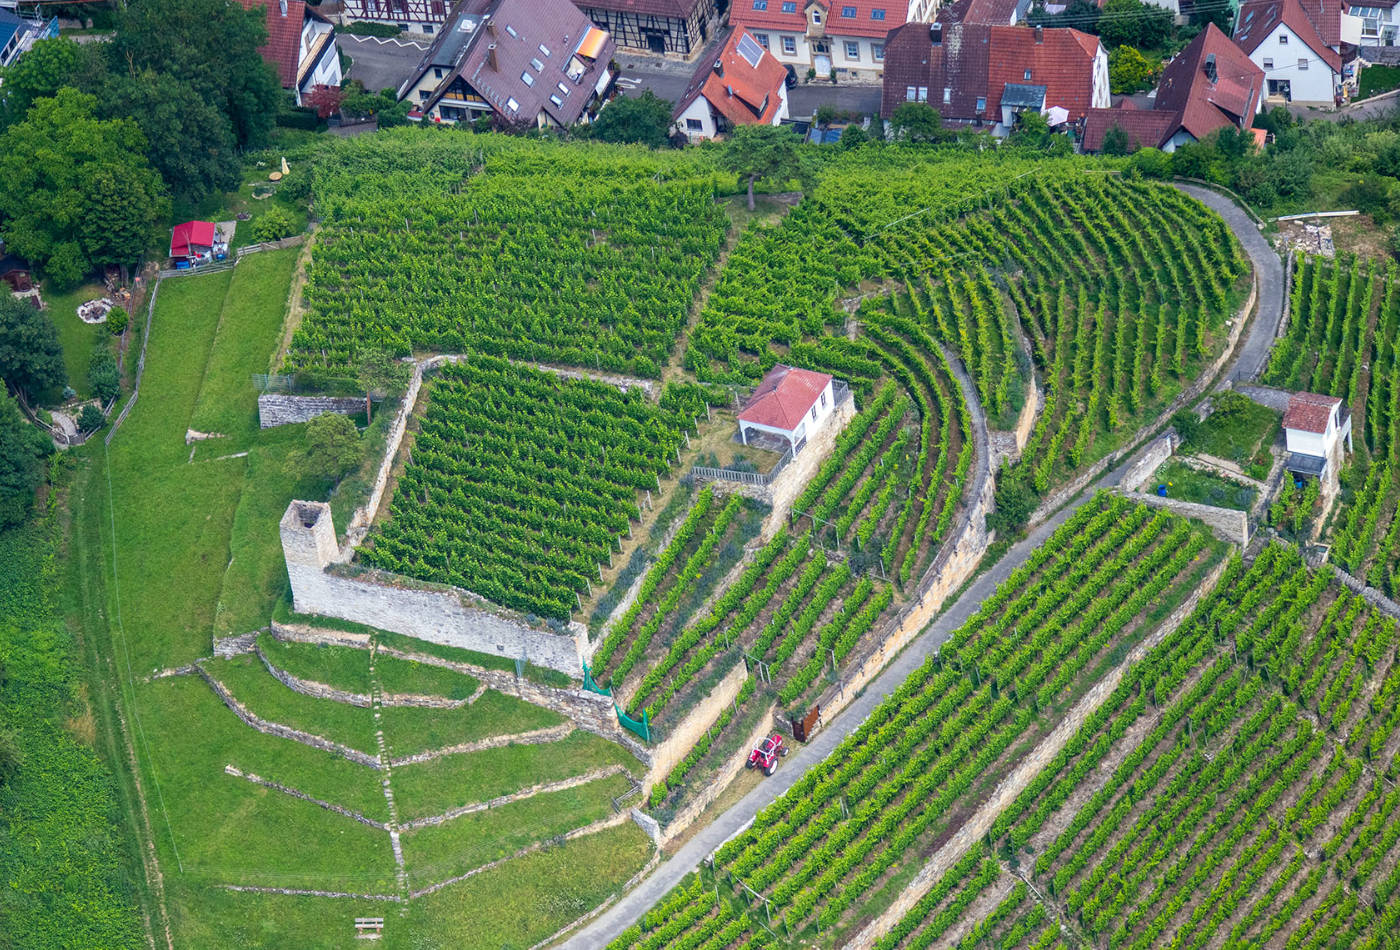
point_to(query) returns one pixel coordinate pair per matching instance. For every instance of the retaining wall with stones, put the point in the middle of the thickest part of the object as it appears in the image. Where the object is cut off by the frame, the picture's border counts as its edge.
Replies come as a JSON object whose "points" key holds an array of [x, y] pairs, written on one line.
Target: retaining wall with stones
{"points": [[386, 602], [1227, 523], [1369, 594], [534, 737], [680, 739], [311, 688], [297, 793], [283, 409], [1267, 396], [1148, 461]]}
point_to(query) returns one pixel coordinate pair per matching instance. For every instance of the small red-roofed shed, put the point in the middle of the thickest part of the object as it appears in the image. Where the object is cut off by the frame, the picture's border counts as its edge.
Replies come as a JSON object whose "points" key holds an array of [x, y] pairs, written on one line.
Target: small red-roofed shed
{"points": [[192, 239], [790, 403]]}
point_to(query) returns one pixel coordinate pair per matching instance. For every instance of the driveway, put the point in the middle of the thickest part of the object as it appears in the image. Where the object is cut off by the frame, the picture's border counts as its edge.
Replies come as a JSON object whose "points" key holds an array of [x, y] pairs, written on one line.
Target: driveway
{"points": [[381, 63], [1253, 351]]}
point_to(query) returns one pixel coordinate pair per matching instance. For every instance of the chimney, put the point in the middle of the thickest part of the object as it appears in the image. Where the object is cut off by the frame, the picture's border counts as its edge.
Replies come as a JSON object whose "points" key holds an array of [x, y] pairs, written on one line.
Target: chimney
{"points": [[491, 28], [1210, 67], [1039, 35], [935, 34], [719, 68], [491, 56]]}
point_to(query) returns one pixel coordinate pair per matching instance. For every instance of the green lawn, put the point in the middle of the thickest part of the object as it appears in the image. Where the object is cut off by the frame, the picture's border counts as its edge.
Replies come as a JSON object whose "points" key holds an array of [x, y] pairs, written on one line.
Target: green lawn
{"points": [[412, 729], [1240, 432], [1377, 79], [431, 788], [1188, 484], [74, 335], [265, 696], [344, 668], [441, 851], [423, 679]]}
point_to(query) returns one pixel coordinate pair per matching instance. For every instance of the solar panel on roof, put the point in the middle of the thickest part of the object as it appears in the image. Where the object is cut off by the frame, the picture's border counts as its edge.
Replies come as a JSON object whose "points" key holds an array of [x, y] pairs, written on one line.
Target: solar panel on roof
{"points": [[750, 50]]}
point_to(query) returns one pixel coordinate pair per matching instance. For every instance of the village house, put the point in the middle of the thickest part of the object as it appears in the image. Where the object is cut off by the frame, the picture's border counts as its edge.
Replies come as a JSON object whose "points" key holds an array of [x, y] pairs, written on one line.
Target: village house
{"points": [[841, 38], [789, 406], [300, 46], [524, 63], [1298, 46], [412, 16], [679, 28], [18, 35], [983, 76], [743, 85], [1317, 429], [1210, 85], [192, 241]]}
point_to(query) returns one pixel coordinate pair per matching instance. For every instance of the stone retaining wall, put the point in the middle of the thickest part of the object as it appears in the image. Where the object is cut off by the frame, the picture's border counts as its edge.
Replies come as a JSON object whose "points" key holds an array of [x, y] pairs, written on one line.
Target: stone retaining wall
{"points": [[681, 738], [1267, 396], [1148, 461], [282, 409], [285, 732], [311, 688], [1369, 594], [534, 737], [296, 793], [1227, 523], [540, 788]]}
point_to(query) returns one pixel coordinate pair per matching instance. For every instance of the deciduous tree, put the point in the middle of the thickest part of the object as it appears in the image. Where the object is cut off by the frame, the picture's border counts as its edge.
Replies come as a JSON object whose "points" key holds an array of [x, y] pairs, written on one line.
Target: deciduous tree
{"points": [[757, 152], [30, 356], [22, 451], [643, 119]]}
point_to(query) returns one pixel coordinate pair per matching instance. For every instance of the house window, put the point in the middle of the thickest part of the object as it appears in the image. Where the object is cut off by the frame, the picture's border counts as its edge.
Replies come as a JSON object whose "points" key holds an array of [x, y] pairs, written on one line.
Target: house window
{"points": [[923, 93], [790, 45], [816, 16], [1283, 39], [909, 93], [878, 49], [1268, 64], [427, 28], [823, 398], [848, 13], [1302, 63], [760, 4], [947, 95], [814, 413], [789, 6], [762, 39], [852, 49], [512, 105], [544, 49], [1027, 75], [877, 14], [694, 125], [423, 94], [527, 79], [981, 104], [437, 72]]}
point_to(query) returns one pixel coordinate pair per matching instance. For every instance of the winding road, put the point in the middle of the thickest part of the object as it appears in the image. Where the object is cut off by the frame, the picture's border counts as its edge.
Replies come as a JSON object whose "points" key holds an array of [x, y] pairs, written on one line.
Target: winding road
{"points": [[1252, 352]]}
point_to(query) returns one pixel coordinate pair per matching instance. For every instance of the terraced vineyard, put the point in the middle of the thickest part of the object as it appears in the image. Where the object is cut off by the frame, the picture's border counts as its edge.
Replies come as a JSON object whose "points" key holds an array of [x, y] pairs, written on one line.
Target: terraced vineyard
{"points": [[1344, 323], [1237, 789], [901, 782], [521, 481]]}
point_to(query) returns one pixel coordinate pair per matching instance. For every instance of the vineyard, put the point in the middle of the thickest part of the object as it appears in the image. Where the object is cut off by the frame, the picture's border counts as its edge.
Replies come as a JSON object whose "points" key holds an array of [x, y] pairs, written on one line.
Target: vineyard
{"points": [[824, 853], [1117, 291], [515, 249], [519, 483], [1344, 320], [1237, 789]]}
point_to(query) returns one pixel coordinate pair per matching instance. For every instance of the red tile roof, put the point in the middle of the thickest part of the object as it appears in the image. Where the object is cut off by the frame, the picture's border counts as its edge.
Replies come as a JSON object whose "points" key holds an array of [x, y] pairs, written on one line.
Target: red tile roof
{"points": [[1258, 19], [1309, 412], [974, 61], [743, 94], [1145, 128], [834, 21], [191, 234], [784, 397], [283, 47]]}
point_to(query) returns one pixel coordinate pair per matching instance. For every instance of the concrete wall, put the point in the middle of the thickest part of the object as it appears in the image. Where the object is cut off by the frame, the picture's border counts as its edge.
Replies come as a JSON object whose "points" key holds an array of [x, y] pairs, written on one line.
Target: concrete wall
{"points": [[681, 738], [1148, 461], [1227, 523], [447, 616], [281, 409]]}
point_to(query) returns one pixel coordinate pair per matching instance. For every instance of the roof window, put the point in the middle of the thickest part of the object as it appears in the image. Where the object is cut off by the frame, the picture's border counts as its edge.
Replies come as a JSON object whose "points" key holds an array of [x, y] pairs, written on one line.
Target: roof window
{"points": [[563, 89], [848, 12], [877, 14], [511, 30], [537, 65], [527, 79], [789, 6], [512, 105], [556, 100], [545, 50]]}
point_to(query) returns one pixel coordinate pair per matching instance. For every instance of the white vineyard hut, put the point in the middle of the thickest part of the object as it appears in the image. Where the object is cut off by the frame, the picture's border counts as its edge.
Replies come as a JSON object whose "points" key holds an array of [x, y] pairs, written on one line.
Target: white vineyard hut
{"points": [[791, 404]]}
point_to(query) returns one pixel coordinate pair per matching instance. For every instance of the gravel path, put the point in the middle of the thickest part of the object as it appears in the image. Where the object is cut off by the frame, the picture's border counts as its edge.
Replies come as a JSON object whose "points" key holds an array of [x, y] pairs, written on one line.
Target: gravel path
{"points": [[1253, 351]]}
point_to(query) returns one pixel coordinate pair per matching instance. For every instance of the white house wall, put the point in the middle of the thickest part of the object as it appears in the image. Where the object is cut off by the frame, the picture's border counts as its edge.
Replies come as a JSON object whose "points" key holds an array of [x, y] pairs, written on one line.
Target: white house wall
{"points": [[1307, 443], [699, 111], [1315, 84], [865, 64], [1099, 96]]}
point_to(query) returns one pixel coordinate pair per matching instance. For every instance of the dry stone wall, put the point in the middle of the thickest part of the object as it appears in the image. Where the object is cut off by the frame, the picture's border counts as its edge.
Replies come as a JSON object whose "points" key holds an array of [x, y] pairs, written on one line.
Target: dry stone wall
{"points": [[666, 754], [1148, 461], [282, 409], [1227, 523]]}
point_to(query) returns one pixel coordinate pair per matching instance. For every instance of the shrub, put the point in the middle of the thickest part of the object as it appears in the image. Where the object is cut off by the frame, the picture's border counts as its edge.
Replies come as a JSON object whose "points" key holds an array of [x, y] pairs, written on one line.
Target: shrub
{"points": [[272, 225], [117, 321], [91, 418], [104, 379]]}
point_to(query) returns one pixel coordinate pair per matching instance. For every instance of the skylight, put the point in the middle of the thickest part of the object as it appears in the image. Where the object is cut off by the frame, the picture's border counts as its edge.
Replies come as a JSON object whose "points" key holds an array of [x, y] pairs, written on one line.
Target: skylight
{"points": [[511, 30], [512, 105], [544, 49], [537, 65], [563, 89], [750, 50], [527, 79]]}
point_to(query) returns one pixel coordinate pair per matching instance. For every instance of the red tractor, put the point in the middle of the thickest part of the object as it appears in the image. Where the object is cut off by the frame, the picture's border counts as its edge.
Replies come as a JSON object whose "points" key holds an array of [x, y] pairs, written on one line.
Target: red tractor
{"points": [[767, 754]]}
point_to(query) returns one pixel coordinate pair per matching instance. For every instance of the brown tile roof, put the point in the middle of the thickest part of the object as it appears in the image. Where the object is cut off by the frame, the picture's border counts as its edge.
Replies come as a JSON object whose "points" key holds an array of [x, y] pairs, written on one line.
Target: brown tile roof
{"points": [[283, 47], [502, 45], [784, 397], [872, 18], [974, 61], [743, 94], [1309, 412], [1145, 128], [1257, 20]]}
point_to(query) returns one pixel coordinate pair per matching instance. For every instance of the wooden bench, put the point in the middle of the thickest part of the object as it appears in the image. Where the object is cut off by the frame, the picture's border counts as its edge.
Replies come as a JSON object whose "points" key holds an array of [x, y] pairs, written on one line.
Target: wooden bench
{"points": [[369, 928]]}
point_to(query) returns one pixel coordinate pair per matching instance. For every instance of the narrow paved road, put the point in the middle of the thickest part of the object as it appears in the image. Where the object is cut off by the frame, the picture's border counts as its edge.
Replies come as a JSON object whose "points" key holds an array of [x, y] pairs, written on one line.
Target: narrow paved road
{"points": [[1253, 351]]}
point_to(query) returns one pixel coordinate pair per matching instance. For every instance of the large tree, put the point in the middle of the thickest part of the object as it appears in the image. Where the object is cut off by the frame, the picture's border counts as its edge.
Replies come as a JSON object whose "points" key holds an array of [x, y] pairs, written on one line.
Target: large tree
{"points": [[30, 355], [213, 46], [645, 120], [46, 68], [917, 122], [757, 152], [76, 191], [188, 140], [22, 450]]}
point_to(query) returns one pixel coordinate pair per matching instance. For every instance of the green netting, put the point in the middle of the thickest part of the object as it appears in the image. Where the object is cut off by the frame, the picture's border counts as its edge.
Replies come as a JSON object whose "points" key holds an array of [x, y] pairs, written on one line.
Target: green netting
{"points": [[642, 728], [589, 683]]}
